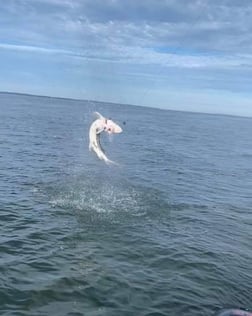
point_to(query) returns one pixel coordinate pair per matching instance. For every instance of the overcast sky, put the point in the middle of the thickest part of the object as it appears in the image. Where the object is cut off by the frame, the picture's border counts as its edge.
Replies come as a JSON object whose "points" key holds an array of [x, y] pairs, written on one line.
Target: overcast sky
{"points": [[193, 55]]}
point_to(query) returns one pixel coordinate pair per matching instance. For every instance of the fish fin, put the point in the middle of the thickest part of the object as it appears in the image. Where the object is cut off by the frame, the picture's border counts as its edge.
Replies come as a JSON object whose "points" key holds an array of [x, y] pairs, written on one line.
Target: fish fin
{"points": [[98, 115], [111, 162], [99, 130]]}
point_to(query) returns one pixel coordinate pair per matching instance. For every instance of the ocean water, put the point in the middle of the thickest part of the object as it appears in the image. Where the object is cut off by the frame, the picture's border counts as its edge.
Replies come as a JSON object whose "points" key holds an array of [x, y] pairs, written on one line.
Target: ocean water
{"points": [[168, 231]]}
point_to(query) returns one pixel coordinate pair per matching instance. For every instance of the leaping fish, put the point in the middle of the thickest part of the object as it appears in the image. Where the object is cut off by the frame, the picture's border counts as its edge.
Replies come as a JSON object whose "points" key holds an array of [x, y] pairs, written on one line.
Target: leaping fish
{"points": [[101, 124]]}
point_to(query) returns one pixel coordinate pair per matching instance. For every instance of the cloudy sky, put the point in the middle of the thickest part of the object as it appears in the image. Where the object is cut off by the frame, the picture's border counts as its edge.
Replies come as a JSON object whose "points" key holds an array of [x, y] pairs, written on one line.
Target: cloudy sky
{"points": [[193, 55]]}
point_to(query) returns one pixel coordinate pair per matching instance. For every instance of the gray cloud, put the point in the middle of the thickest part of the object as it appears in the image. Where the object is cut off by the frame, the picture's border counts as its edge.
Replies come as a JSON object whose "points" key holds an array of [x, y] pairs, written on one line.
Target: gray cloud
{"points": [[166, 32]]}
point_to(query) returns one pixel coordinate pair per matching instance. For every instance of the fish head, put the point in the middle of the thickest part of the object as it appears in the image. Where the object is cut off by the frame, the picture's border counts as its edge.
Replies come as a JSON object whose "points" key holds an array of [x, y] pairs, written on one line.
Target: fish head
{"points": [[112, 128]]}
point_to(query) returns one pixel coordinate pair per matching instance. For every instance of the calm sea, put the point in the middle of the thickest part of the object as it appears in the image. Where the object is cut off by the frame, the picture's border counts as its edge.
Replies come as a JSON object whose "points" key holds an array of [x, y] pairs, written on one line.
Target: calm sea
{"points": [[166, 232]]}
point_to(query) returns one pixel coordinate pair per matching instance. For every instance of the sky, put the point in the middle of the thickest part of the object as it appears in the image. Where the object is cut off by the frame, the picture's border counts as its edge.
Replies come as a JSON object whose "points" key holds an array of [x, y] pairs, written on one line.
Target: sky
{"points": [[192, 55]]}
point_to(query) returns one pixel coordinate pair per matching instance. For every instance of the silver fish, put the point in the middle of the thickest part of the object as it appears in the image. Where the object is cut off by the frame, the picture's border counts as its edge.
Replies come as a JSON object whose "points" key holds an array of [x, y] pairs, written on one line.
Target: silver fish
{"points": [[101, 124]]}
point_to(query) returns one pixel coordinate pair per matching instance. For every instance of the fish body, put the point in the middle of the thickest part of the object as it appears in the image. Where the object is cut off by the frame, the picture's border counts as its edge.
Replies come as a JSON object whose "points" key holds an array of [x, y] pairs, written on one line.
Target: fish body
{"points": [[101, 124]]}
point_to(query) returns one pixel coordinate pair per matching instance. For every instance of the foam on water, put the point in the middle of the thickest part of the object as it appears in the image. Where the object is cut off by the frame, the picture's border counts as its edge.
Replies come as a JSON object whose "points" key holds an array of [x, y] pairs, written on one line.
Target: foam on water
{"points": [[95, 195]]}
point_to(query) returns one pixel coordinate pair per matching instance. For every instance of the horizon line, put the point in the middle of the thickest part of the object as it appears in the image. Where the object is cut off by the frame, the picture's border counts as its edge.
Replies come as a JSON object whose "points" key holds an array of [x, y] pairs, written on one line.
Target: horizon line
{"points": [[127, 104]]}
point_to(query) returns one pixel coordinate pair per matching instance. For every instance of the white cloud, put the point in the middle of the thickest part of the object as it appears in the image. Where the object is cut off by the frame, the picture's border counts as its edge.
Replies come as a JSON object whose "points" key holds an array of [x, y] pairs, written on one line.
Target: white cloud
{"points": [[26, 48], [145, 36], [199, 25], [141, 56]]}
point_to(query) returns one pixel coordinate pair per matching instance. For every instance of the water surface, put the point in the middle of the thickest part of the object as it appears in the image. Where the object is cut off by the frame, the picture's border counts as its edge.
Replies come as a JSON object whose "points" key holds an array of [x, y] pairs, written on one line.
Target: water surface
{"points": [[167, 232]]}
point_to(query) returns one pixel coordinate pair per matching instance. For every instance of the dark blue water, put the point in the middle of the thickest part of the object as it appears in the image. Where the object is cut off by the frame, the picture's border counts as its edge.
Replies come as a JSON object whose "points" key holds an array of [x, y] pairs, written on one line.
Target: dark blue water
{"points": [[167, 232]]}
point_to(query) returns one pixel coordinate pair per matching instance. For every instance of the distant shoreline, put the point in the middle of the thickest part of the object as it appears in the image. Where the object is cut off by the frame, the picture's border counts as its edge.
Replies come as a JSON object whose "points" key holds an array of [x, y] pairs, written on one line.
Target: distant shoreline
{"points": [[124, 104]]}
